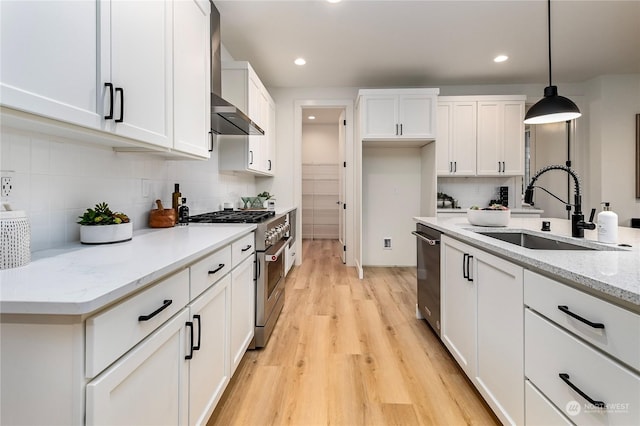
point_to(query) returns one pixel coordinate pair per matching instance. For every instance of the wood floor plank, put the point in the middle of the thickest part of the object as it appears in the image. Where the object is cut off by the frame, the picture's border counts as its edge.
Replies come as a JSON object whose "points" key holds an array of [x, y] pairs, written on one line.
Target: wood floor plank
{"points": [[347, 351]]}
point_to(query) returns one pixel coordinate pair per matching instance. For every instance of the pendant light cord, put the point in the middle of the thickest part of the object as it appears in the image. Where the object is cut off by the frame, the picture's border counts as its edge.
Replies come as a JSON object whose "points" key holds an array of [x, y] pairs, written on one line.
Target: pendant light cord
{"points": [[549, 34]]}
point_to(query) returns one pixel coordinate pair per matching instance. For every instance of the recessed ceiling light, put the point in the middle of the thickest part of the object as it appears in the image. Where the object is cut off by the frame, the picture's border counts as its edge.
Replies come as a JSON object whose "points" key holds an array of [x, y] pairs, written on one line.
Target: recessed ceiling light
{"points": [[312, 117], [334, 1], [300, 61], [500, 58]]}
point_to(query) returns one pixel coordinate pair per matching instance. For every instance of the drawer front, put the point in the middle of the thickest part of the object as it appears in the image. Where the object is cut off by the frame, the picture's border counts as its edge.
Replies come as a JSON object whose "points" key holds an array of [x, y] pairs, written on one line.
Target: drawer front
{"points": [[242, 249], [544, 295], [550, 351], [114, 331], [209, 270], [539, 410]]}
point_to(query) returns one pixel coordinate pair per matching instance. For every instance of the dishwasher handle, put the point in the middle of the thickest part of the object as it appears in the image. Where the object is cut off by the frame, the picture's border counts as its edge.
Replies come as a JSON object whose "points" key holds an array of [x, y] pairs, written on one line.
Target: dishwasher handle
{"points": [[429, 241]]}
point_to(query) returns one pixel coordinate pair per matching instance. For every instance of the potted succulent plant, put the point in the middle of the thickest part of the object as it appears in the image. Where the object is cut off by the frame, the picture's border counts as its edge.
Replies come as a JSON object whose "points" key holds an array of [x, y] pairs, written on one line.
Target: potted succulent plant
{"points": [[100, 225]]}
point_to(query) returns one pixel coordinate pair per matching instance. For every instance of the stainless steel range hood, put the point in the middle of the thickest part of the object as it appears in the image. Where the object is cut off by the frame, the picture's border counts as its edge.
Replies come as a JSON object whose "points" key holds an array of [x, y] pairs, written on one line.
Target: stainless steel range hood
{"points": [[226, 118]]}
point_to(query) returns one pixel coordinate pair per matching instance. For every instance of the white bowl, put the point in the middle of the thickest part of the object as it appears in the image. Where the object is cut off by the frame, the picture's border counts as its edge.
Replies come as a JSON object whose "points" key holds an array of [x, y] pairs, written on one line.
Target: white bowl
{"points": [[489, 217]]}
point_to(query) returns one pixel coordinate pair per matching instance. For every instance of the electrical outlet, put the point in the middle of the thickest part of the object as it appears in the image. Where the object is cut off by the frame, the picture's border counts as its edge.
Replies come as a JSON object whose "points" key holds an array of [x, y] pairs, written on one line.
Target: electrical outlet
{"points": [[387, 244], [7, 186]]}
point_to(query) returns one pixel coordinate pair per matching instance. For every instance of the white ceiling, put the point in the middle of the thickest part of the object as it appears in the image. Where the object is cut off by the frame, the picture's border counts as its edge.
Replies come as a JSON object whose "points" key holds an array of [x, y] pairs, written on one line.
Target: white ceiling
{"points": [[358, 43], [322, 115]]}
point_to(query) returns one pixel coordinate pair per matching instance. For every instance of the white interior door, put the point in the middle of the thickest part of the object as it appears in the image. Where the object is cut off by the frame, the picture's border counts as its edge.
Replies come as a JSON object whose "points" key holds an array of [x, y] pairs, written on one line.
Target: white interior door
{"points": [[342, 182]]}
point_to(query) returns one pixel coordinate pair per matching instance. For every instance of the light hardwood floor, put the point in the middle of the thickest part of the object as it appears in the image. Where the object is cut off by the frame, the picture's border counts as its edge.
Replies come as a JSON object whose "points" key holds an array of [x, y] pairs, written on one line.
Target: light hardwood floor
{"points": [[350, 352]]}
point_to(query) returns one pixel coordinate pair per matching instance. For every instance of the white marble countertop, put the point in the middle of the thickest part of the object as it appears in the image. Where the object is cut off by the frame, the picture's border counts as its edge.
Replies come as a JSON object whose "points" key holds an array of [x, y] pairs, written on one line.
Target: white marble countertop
{"points": [[611, 275], [79, 279], [515, 211]]}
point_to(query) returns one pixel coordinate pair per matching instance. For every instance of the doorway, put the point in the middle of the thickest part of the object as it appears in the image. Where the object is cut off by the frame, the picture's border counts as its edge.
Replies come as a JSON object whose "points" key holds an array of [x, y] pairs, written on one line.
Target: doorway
{"points": [[324, 175], [349, 174]]}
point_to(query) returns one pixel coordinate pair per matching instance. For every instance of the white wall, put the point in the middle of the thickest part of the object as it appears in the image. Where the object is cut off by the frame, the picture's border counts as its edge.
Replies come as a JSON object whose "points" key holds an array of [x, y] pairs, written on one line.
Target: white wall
{"points": [[614, 101], [320, 143], [390, 199], [55, 180]]}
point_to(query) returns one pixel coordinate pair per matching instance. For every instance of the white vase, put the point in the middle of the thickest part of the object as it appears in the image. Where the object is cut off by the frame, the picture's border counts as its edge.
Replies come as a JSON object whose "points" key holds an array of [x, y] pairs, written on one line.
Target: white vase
{"points": [[106, 234]]}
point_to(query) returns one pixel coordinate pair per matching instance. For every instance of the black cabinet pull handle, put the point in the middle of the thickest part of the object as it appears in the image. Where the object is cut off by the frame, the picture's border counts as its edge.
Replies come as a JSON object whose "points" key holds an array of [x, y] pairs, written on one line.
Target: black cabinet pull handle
{"points": [[565, 309], [400, 129], [110, 115], [121, 91], [220, 266], [269, 164], [455, 167], [469, 277], [450, 166], [396, 129], [465, 264], [165, 305], [197, 317], [565, 378], [190, 325], [246, 248], [250, 157], [210, 141]]}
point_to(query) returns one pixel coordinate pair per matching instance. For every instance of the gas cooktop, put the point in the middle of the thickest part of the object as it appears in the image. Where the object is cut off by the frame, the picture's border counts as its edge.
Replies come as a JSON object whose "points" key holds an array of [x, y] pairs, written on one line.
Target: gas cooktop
{"points": [[233, 216]]}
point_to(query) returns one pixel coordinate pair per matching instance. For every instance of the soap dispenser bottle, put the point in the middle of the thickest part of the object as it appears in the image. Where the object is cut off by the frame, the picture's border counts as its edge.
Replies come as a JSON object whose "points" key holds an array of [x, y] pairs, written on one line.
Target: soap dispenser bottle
{"points": [[607, 225]]}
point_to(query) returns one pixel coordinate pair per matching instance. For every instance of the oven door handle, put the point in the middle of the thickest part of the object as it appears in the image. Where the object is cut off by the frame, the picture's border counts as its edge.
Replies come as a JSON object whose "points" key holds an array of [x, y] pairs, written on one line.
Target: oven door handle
{"points": [[272, 257], [425, 239]]}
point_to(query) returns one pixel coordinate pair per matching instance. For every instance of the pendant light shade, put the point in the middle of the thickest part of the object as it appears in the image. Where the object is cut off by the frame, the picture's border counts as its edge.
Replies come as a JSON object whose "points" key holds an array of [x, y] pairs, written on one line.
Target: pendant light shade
{"points": [[552, 108]]}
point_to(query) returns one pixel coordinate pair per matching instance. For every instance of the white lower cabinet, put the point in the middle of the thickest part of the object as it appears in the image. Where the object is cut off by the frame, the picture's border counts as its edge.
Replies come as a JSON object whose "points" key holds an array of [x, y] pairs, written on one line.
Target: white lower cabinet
{"points": [[591, 388], [540, 411], [242, 310], [147, 385], [209, 363], [580, 352], [458, 300], [161, 356], [483, 324]]}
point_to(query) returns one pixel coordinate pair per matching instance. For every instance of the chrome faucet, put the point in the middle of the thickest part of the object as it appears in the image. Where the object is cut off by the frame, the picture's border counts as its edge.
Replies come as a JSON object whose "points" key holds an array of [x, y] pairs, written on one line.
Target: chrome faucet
{"points": [[578, 224]]}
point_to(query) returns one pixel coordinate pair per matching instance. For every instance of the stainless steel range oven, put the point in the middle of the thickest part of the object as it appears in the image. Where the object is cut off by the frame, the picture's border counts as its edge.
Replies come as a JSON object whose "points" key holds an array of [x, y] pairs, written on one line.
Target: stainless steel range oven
{"points": [[272, 235]]}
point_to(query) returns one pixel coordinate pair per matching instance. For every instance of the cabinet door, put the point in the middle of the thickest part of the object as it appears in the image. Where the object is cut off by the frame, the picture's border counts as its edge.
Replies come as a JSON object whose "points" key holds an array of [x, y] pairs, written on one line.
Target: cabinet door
{"points": [[490, 137], [513, 138], [380, 116], [458, 303], [463, 138], [500, 339], [271, 140], [444, 165], [191, 98], [242, 310], [416, 116], [49, 57], [146, 386], [209, 367], [139, 61]]}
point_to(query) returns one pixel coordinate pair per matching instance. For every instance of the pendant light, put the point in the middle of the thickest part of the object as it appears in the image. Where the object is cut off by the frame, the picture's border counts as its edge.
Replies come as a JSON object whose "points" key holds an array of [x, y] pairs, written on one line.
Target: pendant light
{"points": [[552, 108]]}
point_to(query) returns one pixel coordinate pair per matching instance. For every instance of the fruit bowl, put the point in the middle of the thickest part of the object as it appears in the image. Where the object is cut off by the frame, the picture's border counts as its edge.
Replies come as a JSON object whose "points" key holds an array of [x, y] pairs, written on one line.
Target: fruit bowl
{"points": [[489, 217]]}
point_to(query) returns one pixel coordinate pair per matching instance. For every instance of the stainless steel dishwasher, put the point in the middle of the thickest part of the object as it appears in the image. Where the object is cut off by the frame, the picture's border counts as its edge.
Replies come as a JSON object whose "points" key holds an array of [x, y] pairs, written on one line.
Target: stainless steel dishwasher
{"points": [[428, 240]]}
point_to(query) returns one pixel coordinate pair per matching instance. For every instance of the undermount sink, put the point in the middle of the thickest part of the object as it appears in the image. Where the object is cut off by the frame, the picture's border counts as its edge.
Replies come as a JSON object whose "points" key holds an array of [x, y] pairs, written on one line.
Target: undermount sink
{"points": [[534, 242]]}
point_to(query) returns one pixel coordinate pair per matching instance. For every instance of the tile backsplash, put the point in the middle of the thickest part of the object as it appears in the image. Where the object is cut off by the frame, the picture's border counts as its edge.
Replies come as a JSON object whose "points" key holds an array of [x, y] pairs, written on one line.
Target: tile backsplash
{"points": [[55, 180], [479, 191]]}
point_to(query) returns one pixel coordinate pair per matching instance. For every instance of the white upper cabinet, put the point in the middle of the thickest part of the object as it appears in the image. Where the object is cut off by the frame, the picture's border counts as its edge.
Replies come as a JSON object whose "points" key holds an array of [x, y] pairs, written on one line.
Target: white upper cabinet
{"points": [[48, 59], [501, 137], [253, 154], [108, 66], [138, 63], [191, 78], [390, 114], [456, 140], [480, 136]]}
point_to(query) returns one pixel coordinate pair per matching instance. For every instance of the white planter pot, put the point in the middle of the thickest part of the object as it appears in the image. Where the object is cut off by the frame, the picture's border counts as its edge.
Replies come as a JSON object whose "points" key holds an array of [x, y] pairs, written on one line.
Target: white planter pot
{"points": [[106, 234]]}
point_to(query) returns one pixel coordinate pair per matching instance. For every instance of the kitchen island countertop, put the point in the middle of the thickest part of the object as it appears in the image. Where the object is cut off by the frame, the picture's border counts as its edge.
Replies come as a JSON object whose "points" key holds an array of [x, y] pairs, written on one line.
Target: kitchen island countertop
{"points": [[613, 275], [79, 279]]}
